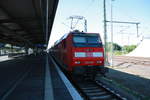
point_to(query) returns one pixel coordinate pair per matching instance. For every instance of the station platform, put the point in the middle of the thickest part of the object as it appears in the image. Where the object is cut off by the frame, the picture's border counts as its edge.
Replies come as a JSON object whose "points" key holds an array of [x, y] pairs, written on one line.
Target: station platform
{"points": [[25, 78], [60, 91]]}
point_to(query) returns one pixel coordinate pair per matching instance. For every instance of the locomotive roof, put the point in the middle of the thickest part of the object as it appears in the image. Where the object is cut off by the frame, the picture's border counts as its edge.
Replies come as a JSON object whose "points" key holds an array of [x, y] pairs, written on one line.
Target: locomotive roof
{"points": [[81, 33], [84, 34], [62, 38]]}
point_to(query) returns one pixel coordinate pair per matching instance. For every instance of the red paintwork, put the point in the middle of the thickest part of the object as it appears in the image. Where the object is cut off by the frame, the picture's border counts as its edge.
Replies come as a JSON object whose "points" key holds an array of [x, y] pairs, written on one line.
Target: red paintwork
{"points": [[64, 51]]}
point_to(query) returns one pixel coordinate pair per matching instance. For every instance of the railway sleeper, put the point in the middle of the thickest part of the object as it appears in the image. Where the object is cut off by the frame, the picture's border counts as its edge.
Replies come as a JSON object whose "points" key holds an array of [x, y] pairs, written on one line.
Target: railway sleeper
{"points": [[90, 88], [92, 91], [102, 97], [97, 93]]}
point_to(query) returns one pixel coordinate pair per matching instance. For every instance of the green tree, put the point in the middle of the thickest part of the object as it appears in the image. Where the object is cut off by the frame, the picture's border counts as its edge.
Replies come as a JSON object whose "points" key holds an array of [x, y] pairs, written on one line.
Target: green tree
{"points": [[116, 47], [129, 48]]}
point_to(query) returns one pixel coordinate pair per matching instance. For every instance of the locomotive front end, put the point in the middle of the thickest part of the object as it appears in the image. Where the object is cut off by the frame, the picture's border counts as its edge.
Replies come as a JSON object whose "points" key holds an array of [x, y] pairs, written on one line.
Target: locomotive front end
{"points": [[88, 53]]}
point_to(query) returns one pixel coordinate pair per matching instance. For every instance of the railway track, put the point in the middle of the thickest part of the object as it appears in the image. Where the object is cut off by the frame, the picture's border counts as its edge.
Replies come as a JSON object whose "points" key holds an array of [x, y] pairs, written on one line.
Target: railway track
{"points": [[134, 60], [94, 90]]}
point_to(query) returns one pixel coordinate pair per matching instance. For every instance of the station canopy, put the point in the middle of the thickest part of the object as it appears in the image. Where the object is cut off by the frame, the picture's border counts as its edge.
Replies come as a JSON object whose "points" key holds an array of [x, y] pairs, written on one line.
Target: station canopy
{"points": [[22, 22]]}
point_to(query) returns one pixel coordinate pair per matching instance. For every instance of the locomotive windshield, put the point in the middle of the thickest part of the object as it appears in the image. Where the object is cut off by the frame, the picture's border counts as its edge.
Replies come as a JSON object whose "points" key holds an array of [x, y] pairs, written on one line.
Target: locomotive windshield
{"points": [[87, 41], [79, 39], [93, 39]]}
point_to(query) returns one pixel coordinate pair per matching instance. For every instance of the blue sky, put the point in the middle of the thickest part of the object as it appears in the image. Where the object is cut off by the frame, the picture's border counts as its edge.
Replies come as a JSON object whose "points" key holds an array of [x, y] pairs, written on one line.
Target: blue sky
{"points": [[92, 10]]}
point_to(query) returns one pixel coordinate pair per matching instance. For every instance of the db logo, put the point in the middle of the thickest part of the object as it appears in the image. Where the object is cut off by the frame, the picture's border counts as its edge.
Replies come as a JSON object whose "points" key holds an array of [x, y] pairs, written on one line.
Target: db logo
{"points": [[89, 54]]}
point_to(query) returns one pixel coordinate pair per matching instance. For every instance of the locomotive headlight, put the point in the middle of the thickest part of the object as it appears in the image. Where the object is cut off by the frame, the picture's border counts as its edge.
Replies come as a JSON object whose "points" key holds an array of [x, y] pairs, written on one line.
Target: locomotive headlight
{"points": [[77, 62], [80, 54], [97, 54]]}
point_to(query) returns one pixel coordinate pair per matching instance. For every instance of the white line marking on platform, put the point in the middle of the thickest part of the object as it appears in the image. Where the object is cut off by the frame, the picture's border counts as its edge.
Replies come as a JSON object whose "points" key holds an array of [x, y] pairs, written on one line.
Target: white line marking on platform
{"points": [[73, 92], [48, 95]]}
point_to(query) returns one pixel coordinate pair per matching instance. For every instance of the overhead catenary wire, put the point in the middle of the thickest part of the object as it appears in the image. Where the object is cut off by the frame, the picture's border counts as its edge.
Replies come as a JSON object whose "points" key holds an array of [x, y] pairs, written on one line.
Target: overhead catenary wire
{"points": [[84, 12]]}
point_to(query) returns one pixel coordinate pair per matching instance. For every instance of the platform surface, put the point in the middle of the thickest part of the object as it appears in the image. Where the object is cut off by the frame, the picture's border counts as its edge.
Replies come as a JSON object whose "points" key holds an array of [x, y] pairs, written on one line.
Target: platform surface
{"points": [[23, 78]]}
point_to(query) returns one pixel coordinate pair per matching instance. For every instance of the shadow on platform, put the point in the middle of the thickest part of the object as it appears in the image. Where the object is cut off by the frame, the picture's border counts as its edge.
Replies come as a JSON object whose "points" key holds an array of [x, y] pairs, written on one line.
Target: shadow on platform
{"points": [[133, 82]]}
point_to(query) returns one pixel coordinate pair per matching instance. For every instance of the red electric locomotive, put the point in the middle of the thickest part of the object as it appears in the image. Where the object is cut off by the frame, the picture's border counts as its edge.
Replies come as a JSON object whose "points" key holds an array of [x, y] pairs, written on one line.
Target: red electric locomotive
{"points": [[80, 53]]}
